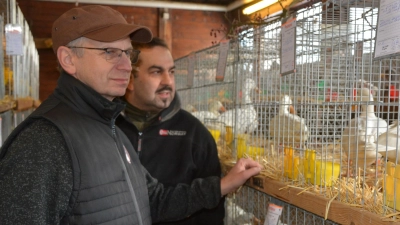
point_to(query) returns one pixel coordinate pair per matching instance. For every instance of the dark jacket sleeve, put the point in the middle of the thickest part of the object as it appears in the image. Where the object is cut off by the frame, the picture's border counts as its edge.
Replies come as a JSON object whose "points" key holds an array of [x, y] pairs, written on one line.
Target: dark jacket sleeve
{"points": [[205, 153], [35, 177], [207, 160], [174, 203]]}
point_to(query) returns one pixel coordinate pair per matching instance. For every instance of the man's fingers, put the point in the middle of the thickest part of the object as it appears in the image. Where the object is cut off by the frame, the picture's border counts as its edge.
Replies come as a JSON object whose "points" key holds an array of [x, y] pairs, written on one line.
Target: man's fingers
{"points": [[251, 171], [248, 163]]}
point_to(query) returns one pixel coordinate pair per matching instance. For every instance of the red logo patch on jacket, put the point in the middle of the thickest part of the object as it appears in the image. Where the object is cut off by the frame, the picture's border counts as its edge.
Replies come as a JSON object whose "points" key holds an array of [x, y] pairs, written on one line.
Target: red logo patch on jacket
{"points": [[164, 132]]}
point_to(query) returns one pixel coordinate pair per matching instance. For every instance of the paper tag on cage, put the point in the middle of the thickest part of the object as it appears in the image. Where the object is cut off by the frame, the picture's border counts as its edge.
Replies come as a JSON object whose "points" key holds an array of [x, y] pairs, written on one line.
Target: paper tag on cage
{"points": [[222, 60], [14, 42], [288, 45], [190, 75], [274, 212]]}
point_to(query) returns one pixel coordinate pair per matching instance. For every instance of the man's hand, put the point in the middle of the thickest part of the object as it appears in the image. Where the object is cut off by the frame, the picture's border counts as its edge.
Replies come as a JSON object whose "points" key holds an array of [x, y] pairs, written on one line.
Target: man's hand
{"points": [[239, 174]]}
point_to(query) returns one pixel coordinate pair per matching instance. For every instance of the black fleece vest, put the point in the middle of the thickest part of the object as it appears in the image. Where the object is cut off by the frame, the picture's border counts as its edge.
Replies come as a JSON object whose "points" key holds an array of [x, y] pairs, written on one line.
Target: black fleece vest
{"points": [[100, 191]]}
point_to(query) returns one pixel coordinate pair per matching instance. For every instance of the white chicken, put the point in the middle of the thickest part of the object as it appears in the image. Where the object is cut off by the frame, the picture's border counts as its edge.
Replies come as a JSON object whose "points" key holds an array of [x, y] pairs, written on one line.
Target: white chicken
{"points": [[214, 109], [287, 128], [391, 140], [359, 138], [242, 120]]}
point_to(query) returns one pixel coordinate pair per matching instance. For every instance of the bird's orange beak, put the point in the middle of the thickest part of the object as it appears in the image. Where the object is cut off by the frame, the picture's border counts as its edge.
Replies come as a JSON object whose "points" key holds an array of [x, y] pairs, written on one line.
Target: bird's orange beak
{"points": [[222, 109], [292, 110], [354, 94]]}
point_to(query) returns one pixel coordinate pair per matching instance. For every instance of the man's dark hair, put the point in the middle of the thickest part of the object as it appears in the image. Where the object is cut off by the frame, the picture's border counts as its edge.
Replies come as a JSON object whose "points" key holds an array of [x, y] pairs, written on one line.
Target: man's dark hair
{"points": [[153, 43]]}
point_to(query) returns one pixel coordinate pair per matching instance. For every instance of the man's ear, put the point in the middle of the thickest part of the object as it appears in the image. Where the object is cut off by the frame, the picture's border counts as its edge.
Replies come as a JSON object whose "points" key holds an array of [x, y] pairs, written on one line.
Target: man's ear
{"points": [[64, 56]]}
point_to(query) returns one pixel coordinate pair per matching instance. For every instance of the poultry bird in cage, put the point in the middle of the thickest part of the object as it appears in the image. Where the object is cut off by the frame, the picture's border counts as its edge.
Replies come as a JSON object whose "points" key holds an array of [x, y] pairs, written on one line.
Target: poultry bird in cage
{"points": [[359, 138], [235, 214], [391, 140], [389, 94], [287, 128], [215, 107], [242, 120], [190, 108]]}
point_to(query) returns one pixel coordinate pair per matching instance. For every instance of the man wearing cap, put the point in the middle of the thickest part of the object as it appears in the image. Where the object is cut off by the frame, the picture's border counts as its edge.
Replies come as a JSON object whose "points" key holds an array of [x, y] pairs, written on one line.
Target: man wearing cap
{"points": [[68, 163]]}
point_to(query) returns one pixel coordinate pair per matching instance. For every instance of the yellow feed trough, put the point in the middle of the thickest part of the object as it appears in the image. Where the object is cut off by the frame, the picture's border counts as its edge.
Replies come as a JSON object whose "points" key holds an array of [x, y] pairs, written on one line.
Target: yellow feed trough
{"points": [[392, 185], [315, 171], [320, 172], [215, 134], [228, 135], [249, 150], [291, 164]]}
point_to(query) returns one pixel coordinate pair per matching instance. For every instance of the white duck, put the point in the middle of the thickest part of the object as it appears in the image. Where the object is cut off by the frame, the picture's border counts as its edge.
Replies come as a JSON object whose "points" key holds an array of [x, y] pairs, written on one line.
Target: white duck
{"points": [[243, 120], [235, 214], [214, 109], [287, 128], [190, 108], [359, 138], [391, 139]]}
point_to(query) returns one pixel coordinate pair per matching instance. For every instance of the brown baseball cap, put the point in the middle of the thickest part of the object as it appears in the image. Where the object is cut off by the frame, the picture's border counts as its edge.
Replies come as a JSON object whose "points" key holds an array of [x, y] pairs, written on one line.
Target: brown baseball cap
{"points": [[96, 22]]}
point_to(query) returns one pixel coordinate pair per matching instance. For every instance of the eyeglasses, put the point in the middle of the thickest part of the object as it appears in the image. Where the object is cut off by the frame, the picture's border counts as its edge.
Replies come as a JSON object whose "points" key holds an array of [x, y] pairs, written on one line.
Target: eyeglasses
{"points": [[113, 55]]}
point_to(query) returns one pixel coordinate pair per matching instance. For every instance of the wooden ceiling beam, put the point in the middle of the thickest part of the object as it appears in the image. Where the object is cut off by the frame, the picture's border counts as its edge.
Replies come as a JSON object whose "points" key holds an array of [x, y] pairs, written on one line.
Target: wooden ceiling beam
{"points": [[43, 43]]}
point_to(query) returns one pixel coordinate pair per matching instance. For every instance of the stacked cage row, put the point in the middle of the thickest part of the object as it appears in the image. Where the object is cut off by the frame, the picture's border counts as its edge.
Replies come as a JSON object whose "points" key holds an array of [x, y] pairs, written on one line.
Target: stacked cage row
{"points": [[19, 88], [323, 127]]}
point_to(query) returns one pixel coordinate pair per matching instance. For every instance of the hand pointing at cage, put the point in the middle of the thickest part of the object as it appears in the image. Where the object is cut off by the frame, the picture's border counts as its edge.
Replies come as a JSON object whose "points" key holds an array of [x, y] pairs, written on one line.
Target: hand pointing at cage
{"points": [[237, 176]]}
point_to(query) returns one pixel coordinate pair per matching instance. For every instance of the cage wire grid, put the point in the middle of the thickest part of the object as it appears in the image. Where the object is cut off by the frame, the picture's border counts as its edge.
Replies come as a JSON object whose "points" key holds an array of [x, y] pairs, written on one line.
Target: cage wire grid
{"points": [[249, 206], [334, 62], [20, 72]]}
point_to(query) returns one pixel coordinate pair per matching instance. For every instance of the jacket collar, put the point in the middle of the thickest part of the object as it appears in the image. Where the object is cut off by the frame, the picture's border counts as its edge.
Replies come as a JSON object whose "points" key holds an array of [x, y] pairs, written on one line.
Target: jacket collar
{"points": [[85, 100], [134, 114], [173, 109]]}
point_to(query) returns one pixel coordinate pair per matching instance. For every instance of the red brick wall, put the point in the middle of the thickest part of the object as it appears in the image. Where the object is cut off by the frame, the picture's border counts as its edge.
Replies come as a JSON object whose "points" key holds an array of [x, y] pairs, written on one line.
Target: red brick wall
{"points": [[191, 30]]}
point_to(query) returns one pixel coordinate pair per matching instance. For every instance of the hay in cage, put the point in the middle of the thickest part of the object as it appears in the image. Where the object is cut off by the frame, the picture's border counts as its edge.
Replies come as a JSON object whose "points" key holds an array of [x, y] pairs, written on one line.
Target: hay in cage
{"points": [[362, 190]]}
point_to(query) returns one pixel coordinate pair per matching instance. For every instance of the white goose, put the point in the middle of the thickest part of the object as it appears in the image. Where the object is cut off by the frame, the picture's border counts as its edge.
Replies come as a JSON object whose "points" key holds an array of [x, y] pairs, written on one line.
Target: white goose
{"points": [[214, 109], [287, 128], [391, 139], [359, 138], [243, 120]]}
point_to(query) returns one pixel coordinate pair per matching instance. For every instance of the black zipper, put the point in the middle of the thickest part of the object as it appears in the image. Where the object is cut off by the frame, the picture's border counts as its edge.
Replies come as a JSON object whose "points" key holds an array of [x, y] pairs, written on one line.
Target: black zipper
{"points": [[128, 180], [139, 143]]}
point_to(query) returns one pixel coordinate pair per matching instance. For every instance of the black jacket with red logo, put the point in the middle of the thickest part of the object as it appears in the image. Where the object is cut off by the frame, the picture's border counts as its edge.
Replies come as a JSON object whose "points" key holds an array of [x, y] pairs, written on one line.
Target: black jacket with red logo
{"points": [[177, 148]]}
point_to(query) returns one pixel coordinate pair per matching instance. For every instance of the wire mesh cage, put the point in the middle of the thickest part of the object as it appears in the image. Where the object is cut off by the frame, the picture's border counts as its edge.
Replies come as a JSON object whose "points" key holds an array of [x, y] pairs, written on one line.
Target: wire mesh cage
{"points": [[22, 69], [19, 88], [250, 206], [330, 127]]}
